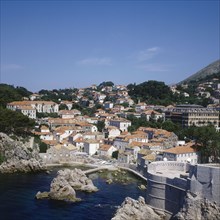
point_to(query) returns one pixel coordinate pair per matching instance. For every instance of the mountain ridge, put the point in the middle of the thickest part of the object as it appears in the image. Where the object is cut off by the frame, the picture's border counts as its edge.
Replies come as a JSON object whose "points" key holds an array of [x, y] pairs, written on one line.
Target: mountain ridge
{"points": [[210, 69]]}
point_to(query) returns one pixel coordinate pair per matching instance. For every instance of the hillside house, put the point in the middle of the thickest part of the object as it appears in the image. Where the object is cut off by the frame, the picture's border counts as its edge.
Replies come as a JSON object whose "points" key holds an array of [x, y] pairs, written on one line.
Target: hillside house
{"points": [[185, 153], [106, 150]]}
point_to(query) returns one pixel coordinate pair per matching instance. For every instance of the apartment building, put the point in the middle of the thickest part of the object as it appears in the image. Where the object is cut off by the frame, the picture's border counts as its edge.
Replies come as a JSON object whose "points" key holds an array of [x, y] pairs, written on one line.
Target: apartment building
{"points": [[189, 115]]}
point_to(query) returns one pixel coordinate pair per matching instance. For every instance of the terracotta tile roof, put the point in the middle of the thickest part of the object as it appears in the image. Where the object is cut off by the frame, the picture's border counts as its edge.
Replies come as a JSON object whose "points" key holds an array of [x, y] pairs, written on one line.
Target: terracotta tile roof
{"points": [[149, 112], [51, 142], [26, 107], [136, 144], [182, 149], [145, 151], [150, 157], [79, 140], [70, 147], [105, 147]]}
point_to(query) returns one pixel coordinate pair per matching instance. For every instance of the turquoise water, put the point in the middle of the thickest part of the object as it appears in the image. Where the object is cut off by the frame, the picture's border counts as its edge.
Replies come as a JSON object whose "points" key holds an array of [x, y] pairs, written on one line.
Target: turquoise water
{"points": [[17, 196]]}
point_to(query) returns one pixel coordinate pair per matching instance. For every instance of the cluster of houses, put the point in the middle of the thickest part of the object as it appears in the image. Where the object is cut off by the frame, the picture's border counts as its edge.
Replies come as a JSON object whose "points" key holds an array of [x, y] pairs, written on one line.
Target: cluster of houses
{"points": [[76, 138], [73, 136]]}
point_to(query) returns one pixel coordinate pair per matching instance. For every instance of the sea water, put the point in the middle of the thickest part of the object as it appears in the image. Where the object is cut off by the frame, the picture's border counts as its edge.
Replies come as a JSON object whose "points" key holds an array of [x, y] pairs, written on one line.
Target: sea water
{"points": [[17, 198]]}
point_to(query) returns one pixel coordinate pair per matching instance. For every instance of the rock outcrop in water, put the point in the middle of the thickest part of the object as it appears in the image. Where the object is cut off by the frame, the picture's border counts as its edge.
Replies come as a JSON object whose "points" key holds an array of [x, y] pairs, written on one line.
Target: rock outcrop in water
{"points": [[19, 156], [136, 210], [197, 208], [64, 185]]}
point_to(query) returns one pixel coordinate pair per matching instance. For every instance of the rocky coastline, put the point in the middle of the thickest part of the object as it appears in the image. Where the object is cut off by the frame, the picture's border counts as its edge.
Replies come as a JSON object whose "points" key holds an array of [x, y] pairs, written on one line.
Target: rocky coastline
{"points": [[132, 209], [198, 208], [64, 186], [19, 155]]}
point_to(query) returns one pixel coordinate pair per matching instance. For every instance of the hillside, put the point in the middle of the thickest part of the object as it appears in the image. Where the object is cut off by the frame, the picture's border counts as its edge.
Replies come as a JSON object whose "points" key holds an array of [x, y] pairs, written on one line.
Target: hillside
{"points": [[212, 68], [9, 93]]}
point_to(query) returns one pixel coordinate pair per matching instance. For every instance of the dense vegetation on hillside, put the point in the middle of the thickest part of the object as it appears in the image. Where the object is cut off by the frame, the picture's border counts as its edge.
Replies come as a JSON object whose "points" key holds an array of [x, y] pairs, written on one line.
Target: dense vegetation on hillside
{"points": [[10, 93], [12, 122], [58, 94], [153, 92]]}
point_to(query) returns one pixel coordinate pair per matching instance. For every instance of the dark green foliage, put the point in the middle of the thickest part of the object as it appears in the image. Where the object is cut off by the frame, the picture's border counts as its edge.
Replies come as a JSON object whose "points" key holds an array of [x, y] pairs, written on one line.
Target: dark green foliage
{"points": [[153, 92], [170, 126], [12, 122], [140, 122], [100, 125], [43, 147], [46, 115], [208, 142], [9, 93], [63, 107], [57, 95], [103, 84], [115, 154]]}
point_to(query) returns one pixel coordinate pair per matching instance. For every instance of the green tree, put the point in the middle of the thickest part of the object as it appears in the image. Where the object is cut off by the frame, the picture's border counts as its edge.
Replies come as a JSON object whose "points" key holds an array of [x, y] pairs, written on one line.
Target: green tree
{"points": [[63, 107], [207, 140], [15, 122], [115, 154], [100, 125], [42, 146], [170, 126]]}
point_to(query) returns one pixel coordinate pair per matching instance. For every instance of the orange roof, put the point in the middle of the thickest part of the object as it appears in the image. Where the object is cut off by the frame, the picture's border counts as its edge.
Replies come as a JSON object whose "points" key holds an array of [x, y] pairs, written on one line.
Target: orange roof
{"points": [[150, 157], [31, 102], [182, 149], [105, 147], [78, 140], [149, 112], [52, 142], [26, 107], [145, 151], [136, 144]]}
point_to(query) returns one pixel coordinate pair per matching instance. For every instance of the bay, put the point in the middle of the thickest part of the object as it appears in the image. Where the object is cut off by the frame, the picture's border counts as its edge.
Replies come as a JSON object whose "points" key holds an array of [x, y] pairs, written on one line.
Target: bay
{"points": [[17, 198]]}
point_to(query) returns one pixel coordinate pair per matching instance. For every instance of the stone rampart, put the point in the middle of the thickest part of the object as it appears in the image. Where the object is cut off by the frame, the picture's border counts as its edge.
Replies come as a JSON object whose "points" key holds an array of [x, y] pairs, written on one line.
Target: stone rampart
{"points": [[166, 189], [169, 181], [204, 180]]}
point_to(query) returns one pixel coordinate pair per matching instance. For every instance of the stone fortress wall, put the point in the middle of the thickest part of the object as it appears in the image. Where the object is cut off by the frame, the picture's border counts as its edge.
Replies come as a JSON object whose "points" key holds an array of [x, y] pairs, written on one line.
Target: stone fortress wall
{"points": [[168, 182], [204, 180]]}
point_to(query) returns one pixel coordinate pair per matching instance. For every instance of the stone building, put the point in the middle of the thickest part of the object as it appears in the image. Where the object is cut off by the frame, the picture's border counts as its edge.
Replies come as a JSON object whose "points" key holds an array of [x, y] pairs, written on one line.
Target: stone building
{"points": [[189, 115]]}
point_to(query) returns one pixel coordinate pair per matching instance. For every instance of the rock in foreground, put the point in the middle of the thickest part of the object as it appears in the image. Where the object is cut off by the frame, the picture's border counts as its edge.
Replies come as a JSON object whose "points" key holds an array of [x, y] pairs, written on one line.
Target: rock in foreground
{"points": [[197, 208], [136, 210], [64, 185]]}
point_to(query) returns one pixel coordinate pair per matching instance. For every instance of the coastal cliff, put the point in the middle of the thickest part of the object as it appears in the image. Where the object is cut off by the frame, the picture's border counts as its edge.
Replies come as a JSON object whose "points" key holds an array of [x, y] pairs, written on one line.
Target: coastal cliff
{"points": [[19, 155]]}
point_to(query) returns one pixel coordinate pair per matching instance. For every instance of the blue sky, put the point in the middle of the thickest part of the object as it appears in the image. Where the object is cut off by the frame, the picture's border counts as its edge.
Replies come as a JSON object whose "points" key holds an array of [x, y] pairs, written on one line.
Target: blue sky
{"points": [[65, 44]]}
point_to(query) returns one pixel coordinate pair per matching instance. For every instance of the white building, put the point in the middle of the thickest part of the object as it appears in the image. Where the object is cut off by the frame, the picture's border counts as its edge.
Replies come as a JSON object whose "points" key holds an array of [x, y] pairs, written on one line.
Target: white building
{"points": [[69, 113], [106, 150], [112, 132], [91, 147], [108, 105], [121, 123], [39, 106], [28, 111], [185, 153]]}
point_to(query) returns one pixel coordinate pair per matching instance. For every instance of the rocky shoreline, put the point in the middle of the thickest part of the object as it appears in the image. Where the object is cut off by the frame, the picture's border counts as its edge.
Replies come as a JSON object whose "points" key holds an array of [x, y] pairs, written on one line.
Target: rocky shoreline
{"points": [[132, 209], [195, 208], [19, 155], [198, 208], [64, 185]]}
